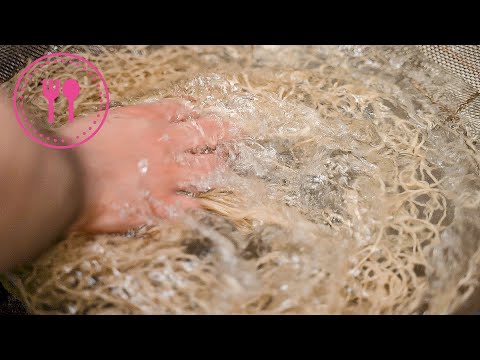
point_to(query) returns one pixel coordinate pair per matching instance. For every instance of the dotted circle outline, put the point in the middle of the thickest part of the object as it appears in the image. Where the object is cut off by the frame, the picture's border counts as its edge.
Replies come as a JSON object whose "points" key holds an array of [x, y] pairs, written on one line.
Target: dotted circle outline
{"points": [[19, 117]]}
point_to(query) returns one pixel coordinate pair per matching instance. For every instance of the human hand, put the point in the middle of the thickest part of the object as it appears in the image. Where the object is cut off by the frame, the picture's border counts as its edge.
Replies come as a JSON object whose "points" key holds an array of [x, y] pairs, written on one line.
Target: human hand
{"points": [[143, 155]]}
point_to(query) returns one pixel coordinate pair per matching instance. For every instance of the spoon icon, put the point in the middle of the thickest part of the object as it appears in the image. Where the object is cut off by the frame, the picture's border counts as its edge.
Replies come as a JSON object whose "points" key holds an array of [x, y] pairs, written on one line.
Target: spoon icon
{"points": [[71, 89]]}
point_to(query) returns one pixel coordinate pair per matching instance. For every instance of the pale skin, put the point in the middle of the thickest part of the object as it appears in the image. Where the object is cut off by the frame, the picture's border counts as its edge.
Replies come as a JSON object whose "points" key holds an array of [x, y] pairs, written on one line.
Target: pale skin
{"points": [[132, 171]]}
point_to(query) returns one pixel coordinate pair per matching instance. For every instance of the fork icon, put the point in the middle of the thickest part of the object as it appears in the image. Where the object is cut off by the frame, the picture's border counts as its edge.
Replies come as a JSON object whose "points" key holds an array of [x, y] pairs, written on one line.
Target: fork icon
{"points": [[51, 91]]}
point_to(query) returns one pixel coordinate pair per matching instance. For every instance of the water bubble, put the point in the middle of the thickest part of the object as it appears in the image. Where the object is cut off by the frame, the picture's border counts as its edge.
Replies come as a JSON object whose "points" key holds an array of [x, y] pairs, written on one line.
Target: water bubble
{"points": [[167, 294], [115, 272], [96, 265], [286, 304], [143, 166], [157, 277], [188, 266], [354, 272], [98, 248]]}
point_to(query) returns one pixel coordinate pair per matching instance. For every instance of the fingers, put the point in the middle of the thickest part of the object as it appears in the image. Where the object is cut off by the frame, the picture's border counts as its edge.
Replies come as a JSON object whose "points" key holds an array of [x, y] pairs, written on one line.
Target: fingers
{"points": [[199, 163], [195, 171], [173, 206], [189, 173], [166, 110], [114, 221], [205, 131], [110, 221]]}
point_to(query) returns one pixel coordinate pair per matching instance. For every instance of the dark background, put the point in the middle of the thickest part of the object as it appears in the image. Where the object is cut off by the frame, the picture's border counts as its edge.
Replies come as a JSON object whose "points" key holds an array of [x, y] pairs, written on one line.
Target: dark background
{"points": [[9, 305]]}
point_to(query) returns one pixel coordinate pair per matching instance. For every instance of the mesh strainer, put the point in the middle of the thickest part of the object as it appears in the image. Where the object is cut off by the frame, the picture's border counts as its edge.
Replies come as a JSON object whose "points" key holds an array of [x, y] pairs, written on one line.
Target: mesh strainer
{"points": [[13, 58], [464, 61]]}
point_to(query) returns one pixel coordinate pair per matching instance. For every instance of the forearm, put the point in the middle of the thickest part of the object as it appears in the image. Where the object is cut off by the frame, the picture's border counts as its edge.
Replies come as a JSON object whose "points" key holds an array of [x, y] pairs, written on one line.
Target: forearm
{"points": [[40, 192]]}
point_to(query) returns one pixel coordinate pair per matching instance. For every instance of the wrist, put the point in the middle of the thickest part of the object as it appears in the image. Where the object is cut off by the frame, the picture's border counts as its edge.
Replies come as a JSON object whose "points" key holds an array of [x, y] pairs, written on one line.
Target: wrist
{"points": [[75, 189]]}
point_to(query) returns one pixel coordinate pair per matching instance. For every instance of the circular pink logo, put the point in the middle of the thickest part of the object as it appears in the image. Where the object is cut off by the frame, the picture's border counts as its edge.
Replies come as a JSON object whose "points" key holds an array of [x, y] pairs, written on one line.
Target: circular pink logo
{"points": [[61, 83]]}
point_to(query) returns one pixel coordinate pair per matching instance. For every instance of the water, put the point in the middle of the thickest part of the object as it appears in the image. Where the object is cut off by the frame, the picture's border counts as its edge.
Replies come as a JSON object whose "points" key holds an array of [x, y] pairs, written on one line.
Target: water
{"points": [[143, 166], [343, 180]]}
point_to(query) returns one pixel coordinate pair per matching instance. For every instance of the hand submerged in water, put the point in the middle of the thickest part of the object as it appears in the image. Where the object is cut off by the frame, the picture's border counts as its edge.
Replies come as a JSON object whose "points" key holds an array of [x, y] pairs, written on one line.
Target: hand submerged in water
{"points": [[139, 160]]}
